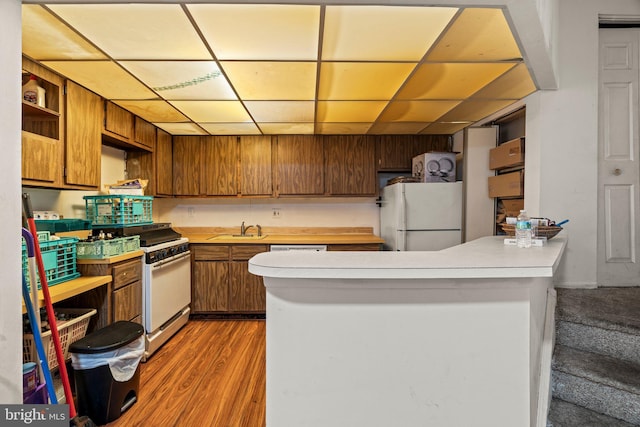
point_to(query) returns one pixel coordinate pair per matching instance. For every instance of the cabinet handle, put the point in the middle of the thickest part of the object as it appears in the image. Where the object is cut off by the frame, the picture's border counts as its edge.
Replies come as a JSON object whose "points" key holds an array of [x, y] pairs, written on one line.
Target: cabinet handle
{"points": [[617, 171]]}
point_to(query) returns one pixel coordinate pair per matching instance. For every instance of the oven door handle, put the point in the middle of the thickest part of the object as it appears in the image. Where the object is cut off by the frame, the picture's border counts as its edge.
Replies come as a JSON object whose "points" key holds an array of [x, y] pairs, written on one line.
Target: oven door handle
{"points": [[172, 260]]}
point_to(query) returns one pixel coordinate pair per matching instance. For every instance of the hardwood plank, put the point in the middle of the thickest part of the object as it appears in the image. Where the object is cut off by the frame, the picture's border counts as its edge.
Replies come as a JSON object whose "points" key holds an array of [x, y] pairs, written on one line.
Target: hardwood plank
{"points": [[212, 372]]}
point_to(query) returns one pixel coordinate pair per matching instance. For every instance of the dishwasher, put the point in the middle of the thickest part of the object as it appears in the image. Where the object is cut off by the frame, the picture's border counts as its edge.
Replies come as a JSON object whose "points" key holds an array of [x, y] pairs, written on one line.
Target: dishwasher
{"points": [[313, 248]]}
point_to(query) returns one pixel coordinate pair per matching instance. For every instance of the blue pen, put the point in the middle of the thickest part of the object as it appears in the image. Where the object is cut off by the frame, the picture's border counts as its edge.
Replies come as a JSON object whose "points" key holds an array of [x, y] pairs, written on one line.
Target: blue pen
{"points": [[562, 222]]}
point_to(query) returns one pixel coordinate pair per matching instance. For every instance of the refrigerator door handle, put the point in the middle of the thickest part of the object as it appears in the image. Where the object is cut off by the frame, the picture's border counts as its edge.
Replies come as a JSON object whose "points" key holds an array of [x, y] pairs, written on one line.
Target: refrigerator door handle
{"points": [[403, 209]]}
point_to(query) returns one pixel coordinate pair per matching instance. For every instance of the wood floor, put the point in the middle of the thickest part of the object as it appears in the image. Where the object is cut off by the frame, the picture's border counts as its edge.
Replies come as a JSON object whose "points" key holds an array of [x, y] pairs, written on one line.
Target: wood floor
{"points": [[212, 373]]}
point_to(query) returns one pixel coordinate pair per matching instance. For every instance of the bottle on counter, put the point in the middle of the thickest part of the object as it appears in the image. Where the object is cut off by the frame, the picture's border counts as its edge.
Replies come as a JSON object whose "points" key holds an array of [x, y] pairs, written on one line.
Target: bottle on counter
{"points": [[33, 92], [523, 230]]}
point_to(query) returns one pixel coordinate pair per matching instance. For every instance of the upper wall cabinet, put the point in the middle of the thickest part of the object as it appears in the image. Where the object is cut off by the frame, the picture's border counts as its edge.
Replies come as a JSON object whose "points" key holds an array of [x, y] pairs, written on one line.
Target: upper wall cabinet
{"points": [[219, 166], [118, 122], [395, 152], [156, 167], [42, 130], [122, 129], [350, 165], [187, 155], [299, 165], [144, 133], [255, 166], [83, 145]]}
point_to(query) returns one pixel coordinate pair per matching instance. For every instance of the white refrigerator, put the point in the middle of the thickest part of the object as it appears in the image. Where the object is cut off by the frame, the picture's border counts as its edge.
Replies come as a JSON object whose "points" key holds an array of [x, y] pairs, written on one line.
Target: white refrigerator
{"points": [[421, 216]]}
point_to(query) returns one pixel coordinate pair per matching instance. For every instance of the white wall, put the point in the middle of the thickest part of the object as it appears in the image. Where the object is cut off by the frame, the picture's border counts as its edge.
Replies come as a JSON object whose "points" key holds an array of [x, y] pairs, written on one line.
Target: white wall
{"points": [[10, 161]]}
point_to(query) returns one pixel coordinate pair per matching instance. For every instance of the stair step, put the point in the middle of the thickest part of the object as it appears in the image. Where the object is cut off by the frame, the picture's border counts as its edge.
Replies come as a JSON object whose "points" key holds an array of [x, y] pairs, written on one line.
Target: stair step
{"points": [[614, 309], [601, 383], [565, 414], [616, 344]]}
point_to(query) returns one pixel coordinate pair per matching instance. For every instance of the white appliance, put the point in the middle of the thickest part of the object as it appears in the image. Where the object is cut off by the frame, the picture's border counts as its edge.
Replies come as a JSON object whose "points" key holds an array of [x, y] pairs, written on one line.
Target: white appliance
{"points": [[421, 216]]}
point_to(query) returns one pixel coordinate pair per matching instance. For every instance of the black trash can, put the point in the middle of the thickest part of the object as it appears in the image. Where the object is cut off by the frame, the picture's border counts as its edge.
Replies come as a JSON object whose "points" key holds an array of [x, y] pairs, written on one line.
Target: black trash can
{"points": [[106, 366]]}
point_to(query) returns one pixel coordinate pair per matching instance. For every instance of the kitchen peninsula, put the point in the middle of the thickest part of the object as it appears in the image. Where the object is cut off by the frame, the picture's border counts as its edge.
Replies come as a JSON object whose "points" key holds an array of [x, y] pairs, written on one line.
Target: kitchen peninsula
{"points": [[459, 336]]}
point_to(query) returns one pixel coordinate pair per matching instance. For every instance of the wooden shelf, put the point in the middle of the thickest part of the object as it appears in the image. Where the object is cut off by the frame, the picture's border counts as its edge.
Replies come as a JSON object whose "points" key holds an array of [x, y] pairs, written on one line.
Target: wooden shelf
{"points": [[71, 288], [31, 109]]}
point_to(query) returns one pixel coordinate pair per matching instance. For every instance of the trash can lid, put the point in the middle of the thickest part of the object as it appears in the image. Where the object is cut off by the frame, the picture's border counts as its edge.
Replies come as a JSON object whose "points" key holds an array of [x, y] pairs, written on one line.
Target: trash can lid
{"points": [[111, 337]]}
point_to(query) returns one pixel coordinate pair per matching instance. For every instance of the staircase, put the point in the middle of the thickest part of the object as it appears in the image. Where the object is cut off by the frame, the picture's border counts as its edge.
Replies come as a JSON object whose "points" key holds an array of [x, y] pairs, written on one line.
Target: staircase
{"points": [[596, 360]]}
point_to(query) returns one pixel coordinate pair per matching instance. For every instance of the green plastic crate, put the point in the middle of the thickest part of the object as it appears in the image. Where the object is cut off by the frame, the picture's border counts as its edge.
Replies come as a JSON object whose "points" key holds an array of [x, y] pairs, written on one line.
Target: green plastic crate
{"points": [[61, 225], [59, 259], [101, 249], [119, 210]]}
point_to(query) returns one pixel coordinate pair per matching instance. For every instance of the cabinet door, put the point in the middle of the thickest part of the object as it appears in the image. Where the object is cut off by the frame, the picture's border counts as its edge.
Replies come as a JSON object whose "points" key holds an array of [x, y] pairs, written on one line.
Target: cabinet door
{"points": [[83, 146], [247, 291], [210, 286], [117, 120], [186, 165], [300, 165], [144, 133], [350, 165], [220, 166], [164, 164], [127, 302], [40, 159], [255, 164], [396, 152]]}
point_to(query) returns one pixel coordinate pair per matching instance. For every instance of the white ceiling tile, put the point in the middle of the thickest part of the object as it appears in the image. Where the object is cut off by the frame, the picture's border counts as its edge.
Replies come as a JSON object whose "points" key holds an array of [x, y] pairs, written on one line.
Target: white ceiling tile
{"points": [[136, 31], [281, 111], [259, 31], [272, 80], [379, 33], [213, 111], [342, 128], [287, 128], [361, 81], [231, 128], [181, 128], [349, 111], [153, 111]]}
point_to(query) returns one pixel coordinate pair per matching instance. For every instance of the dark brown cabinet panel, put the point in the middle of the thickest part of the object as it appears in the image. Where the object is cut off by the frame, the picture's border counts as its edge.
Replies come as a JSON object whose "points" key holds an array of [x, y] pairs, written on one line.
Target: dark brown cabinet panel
{"points": [[164, 164], [299, 165], [395, 152], [83, 146], [350, 165], [127, 302], [247, 292], [219, 166], [187, 154], [209, 289], [255, 166]]}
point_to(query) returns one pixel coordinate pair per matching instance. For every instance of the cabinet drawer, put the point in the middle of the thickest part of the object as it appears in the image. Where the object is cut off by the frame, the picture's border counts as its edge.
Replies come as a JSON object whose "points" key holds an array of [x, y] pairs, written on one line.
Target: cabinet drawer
{"points": [[210, 252], [126, 273], [127, 302], [244, 252]]}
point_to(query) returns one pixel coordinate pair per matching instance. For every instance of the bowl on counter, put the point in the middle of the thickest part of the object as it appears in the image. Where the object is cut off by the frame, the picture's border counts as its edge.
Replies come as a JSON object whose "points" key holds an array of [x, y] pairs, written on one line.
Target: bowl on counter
{"points": [[548, 231]]}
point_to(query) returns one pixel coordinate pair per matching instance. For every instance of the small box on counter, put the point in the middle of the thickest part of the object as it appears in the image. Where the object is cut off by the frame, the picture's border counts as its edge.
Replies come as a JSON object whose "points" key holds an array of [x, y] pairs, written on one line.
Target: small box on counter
{"points": [[506, 155], [435, 166], [512, 207], [506, 185]]}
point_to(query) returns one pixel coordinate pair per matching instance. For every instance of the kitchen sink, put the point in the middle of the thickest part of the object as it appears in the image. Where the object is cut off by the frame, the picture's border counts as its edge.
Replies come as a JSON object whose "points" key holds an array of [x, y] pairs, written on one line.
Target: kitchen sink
{"points": [[237, 237]]}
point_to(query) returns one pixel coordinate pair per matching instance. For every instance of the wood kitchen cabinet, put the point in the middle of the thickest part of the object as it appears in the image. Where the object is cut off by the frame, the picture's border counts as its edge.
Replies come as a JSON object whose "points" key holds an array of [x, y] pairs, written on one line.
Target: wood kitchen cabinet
{"points": [[349, 165], [187, 155], [219, 166], [118, 122], [255, 166], [42, 130], [156, 166], [299, 165], [83, 143], [395, 152], [221, 282], [119, 300], [144, 133]]}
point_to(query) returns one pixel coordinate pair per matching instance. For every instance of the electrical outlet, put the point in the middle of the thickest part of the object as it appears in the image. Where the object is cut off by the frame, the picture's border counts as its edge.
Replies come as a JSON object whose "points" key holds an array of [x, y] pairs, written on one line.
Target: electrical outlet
{"points": [[276, 214]]}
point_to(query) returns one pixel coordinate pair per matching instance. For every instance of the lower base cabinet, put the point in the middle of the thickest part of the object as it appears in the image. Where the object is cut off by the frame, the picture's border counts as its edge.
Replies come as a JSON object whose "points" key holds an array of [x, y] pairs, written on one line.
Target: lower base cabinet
{"points": [[221, 282]]}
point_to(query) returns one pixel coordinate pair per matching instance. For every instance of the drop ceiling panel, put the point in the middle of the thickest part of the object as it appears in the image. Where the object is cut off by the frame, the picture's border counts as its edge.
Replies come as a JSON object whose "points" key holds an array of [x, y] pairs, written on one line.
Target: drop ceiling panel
{"points": [[361, 81], [477, 35], [199, 80], [213, 111], [153, 111], [444, 128], [378, 33], [515, 84], [136, 31], [231, 128], [181, 128], [450, 80], [281, 111], [342, 128], [105, 78], [472, 111], [272, 80], [406, 128], [45, 37], [415, 111], [349, 111], [287, 128], [259, 31]]}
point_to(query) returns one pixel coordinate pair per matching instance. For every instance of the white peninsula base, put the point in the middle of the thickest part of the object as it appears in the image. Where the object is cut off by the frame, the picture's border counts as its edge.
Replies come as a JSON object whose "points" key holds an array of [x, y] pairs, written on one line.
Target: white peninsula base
{"points": [[447, 338]]}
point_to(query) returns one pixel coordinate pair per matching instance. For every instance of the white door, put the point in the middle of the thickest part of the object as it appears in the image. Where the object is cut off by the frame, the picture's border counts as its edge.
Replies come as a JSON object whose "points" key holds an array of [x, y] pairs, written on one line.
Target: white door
{"points": [[618, 239]]}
